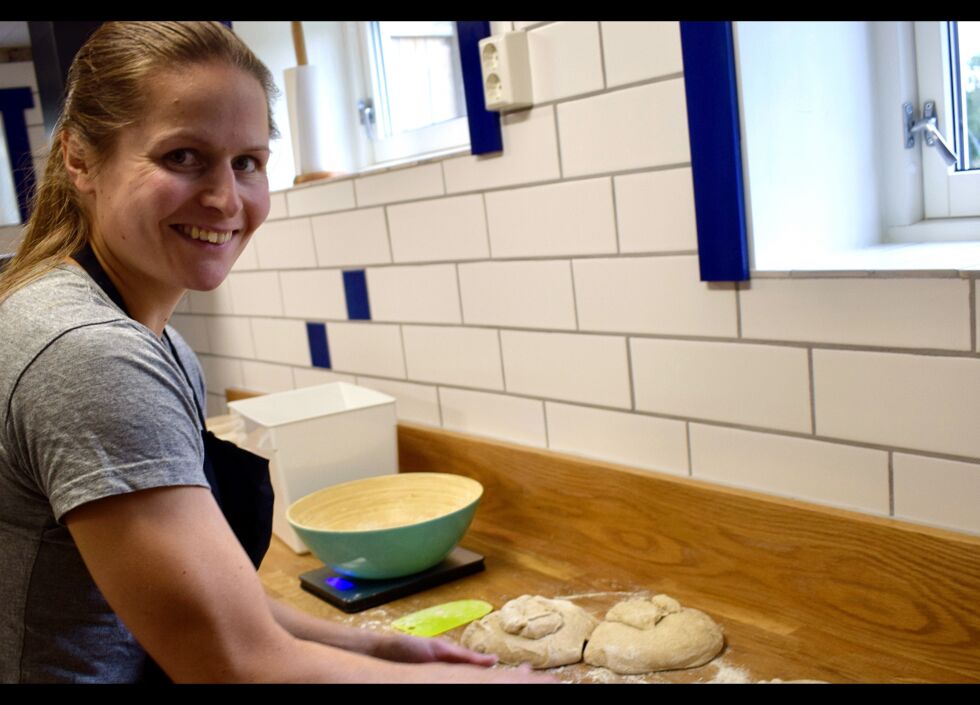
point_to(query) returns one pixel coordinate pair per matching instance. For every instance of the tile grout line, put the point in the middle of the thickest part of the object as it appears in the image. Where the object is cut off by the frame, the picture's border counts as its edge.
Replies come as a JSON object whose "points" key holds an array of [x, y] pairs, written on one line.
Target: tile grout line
{"points": [[561, 168], [629, 373], [891, 483], [690, 463], [391, 249], [459, 294], [738, 310], [547, 436], [799, 435], [500, 350], [486, 225], [813, 397], [571, 274], [401, 339], [602, 56], [681, 337], [972, 305], [439, 405], [616, 223], [442, 171]]}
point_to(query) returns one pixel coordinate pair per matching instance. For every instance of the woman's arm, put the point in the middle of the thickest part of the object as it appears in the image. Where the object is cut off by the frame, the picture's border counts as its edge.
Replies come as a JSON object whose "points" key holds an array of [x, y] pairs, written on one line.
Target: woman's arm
{"points": [[170, 567], [384, 645]]}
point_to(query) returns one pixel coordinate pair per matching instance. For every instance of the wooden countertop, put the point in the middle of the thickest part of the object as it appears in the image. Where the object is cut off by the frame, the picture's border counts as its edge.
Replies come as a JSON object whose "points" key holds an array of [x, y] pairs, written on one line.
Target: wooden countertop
{"points": [[803, 592]]}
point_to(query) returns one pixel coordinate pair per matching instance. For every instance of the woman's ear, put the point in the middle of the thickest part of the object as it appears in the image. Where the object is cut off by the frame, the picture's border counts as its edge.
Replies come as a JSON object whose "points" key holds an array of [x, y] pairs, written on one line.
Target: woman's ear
{"points": [[77, 162]]}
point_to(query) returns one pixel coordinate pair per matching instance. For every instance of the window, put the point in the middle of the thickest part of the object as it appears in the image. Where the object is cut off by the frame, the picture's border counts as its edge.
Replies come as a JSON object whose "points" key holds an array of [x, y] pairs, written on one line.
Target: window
{"points": [[829, 183], [413, 102]]}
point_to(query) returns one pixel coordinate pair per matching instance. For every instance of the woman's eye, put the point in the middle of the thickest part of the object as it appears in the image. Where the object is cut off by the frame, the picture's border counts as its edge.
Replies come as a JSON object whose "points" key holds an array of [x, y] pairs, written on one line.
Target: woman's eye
{"points": [[181, 157], [246, 164]]}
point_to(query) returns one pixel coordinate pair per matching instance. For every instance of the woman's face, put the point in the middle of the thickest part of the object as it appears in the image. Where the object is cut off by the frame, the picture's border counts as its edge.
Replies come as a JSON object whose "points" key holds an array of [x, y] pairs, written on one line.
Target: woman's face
{"points": [[185, 187]]}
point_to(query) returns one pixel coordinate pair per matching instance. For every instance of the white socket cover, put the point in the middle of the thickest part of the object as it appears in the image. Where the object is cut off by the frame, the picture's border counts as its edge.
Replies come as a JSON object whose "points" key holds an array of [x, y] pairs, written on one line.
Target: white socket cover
{"points": [[506, 71]]}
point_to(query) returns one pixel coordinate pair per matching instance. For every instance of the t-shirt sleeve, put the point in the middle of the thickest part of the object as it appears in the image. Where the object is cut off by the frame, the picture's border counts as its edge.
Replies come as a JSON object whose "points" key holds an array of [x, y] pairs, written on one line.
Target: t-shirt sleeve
{"points": [[104, 411]]}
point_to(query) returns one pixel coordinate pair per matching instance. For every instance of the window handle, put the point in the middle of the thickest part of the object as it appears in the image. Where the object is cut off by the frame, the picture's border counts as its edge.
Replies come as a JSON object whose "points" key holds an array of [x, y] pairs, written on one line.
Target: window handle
{"points": [[927, 126], [365, 114]]}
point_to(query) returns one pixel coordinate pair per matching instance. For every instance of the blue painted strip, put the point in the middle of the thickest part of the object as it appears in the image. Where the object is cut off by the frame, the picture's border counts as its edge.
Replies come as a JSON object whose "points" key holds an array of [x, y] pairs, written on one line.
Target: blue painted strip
{"points": [[13, 103], [485, 133], [316, 333], [355, 290], [716, 152]]}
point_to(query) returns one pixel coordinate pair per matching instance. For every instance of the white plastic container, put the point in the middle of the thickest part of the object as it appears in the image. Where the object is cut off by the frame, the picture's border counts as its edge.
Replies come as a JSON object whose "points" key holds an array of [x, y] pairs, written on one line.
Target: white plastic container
{"points": [[316, 437]]}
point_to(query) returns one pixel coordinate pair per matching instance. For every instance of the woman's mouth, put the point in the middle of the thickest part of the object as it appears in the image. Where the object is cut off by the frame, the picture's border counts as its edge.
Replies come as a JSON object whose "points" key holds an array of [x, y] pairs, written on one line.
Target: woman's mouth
{"points": [[194, 232]]}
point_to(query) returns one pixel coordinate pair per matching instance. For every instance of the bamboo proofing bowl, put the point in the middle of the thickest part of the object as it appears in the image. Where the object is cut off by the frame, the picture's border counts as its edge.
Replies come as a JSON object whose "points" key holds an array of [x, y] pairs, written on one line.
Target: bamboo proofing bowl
{"points": [[386, 526]]}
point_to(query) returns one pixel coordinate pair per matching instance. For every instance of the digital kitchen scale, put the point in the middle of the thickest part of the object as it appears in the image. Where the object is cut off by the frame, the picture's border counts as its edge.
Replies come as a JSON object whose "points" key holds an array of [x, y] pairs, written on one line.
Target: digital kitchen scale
{"points": [[357, 594]]}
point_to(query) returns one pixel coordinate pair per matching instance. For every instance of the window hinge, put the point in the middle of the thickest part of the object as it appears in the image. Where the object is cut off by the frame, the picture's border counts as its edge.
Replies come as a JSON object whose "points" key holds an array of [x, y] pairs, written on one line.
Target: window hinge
{"points": [[927, 125]]}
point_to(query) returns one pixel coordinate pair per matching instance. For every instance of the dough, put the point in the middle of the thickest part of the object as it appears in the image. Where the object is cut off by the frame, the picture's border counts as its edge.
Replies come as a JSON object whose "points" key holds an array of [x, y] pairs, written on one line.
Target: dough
{"points": [[656, 634], [534, 630]]}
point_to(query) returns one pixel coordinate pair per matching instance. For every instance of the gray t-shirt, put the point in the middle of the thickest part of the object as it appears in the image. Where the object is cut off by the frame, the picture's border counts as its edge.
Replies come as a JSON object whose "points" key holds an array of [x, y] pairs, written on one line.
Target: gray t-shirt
{"points": [[92, 405]]}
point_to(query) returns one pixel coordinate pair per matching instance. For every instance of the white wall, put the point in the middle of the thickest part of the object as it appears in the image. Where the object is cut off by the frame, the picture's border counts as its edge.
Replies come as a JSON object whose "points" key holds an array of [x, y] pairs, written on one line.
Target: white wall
{"points": [[549, 296]]}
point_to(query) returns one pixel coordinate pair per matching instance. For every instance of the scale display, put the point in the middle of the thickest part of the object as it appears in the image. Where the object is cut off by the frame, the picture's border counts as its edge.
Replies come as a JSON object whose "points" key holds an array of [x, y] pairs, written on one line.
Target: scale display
{"points": [[358, 594]]}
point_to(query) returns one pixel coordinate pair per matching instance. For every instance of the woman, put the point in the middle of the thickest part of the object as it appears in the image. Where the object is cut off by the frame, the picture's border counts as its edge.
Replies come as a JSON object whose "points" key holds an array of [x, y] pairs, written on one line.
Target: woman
{"points": [[115, 550]]}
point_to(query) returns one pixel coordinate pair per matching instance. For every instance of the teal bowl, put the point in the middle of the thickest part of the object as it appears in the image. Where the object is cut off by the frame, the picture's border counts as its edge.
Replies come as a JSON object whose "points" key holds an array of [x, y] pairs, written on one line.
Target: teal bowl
{"points": [[387, 526]]}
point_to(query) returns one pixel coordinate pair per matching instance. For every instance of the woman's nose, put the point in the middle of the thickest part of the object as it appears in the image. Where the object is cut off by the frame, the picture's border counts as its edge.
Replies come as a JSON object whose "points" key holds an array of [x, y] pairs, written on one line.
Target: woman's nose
{"points": [[221, 191]]}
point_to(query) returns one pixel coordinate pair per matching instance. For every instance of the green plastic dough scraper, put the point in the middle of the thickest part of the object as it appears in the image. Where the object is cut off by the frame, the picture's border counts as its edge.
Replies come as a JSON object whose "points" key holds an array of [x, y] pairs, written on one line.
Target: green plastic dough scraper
{"points": [[433, 621]]}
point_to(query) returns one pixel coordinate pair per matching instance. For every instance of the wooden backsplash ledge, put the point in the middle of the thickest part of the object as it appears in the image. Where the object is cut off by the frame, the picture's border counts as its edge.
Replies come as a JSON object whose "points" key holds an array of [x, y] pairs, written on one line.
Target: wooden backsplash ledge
{"points": [[907, 590]]}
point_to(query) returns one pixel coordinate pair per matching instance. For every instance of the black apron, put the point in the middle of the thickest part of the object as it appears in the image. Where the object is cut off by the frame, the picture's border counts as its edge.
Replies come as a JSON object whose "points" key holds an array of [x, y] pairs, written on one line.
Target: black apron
{"points": [[239, 479]]}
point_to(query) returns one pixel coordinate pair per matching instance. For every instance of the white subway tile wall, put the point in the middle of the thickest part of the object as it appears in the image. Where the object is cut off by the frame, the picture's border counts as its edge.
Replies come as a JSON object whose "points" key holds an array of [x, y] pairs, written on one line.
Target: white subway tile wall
{"points": [[220, 373], [635, 51], [313, 294], [277, 206], [417, 294], [573, 218], [906, 401], [231, 336], [550, 297], [565, 60], [266, 377], [935, 491], [900, 313], [306, 377], [534, 294], [281, 340], [496, 415], [255, 293], [249, 258], [630, 439], [756, 385], [468, 357], [351, 238], [363, 348], [444, 229], [661, 295], [530, 154], [285, 244], [830, 473], [655, 211], [586, 368], [629, 128], [418, 403], [320, 198], [399, 185]]}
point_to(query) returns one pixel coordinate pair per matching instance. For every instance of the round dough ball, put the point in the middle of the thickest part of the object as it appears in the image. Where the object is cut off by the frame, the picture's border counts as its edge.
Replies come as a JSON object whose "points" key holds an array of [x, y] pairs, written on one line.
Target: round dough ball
{"points": [[534, 630], [640, 636]]}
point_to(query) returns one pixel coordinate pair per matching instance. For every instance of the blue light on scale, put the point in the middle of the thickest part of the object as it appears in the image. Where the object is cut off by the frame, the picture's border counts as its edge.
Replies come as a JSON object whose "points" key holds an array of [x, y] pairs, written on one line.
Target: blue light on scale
{"points": [[338, 583]]}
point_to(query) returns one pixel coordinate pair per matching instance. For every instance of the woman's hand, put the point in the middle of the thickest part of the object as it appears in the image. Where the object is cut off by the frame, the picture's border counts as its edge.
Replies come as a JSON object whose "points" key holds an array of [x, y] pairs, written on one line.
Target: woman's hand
{"points": [[414, 649]]}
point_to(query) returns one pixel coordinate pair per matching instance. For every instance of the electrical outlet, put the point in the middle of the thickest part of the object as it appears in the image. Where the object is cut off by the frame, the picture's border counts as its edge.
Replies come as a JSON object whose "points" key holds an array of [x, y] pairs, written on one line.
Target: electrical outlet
{"points": [[506, 71]]}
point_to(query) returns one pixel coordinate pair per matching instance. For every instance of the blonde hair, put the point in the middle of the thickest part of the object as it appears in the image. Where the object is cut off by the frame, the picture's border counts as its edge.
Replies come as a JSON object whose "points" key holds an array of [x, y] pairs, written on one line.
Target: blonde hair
{"points": [[105, 92]]}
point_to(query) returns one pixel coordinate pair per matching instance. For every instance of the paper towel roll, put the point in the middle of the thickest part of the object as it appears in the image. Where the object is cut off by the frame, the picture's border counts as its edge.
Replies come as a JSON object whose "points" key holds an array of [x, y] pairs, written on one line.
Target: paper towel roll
{"points": [[305, 122]]}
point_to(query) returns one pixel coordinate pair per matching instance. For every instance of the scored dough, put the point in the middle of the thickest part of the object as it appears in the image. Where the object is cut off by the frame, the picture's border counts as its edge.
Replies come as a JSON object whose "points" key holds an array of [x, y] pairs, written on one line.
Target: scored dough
{"points": [[534, 630], [640, 636]]}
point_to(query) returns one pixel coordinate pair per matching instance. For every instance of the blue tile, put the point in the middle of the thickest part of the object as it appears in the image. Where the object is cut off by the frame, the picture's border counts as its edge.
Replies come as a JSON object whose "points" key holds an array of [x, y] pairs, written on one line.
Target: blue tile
{"points": [[316, 333], [355, 290]]}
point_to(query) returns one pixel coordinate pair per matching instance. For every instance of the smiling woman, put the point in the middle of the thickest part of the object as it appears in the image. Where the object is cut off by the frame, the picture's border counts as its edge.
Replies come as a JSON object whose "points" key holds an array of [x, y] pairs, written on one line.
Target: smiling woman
{"points": [[122, 520]]}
